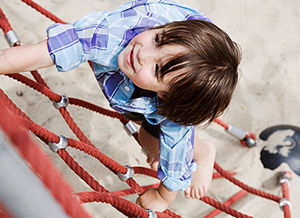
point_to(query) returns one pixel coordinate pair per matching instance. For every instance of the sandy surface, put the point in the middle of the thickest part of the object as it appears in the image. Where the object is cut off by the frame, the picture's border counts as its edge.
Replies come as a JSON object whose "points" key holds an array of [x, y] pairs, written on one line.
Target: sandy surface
{"points": [[266, 95]]}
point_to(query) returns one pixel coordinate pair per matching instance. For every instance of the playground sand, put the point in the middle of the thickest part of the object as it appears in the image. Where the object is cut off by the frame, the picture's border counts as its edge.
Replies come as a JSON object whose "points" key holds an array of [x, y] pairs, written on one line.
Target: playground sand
{"points": [[265, 96]]}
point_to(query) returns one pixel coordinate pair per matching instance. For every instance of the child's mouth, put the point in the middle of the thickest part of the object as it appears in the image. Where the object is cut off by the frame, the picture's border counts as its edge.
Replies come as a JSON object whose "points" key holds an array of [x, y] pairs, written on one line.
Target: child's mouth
{"points": [[130, 58]]}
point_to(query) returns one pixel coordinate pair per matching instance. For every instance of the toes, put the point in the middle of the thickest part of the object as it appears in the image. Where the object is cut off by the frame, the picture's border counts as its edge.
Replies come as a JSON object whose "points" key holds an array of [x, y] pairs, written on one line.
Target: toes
{"points": [[197, 194], [187, 193]]}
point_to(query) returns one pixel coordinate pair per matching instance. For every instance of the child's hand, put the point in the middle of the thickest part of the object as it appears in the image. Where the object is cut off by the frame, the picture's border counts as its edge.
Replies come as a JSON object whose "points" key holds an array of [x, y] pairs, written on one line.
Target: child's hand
{"points": [[156, 199], [153, 161]]}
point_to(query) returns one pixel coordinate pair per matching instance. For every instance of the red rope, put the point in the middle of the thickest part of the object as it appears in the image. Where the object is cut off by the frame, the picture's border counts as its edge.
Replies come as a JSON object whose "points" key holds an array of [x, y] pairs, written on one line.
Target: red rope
{"points": [[218, 175], [57, 20], [33, 154], [36, 86], [285, 190], [136, 187], [12, 106], [53, 97], [228, 203], [42, 87], [85, 149], [51, 16], [45, 135], [4, 24], [105, 160], [223, 207], [114, 200], [287, 211], [38, 78], [73, 126], [121, 203], [145, 171], [94, 152], [286, 193], [41, 83], [43, 11], [94, 184], [88, 179], [98, 109], [4, 214], [39, 86], [221, 123], [246, 187], [286, 208], [131, 191]]}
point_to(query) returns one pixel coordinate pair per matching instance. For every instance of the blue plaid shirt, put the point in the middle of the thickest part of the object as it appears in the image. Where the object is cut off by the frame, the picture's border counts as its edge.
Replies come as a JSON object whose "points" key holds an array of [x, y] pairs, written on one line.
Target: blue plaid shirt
{"points": [[100, 37]]}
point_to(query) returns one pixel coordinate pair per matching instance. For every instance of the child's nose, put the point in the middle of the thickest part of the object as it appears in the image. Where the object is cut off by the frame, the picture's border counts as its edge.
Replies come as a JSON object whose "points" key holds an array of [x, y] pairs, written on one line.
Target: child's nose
{"points": [[146, 55]]}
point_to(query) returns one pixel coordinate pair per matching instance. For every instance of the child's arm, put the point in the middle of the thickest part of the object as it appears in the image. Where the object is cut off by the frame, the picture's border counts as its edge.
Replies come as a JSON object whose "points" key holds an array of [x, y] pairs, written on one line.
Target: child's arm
{"points": [[157, 199], [204, 156], [25, 58]]}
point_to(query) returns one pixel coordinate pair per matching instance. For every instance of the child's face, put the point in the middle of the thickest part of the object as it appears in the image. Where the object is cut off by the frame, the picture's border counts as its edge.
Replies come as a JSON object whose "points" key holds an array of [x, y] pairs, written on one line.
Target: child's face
{"points": [[141, 60]]}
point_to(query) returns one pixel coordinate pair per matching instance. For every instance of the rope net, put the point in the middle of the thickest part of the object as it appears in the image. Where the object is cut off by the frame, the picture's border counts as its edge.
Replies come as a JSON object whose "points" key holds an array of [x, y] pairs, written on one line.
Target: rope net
{"points": [[15, 123]]}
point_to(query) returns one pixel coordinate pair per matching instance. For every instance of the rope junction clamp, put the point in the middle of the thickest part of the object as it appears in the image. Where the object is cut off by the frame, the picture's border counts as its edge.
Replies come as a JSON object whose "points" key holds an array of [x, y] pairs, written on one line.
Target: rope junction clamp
{"points": [[240, 134], [284, 202], [129, 174], [236, 132], [285, 177], [12, 38], [62, 144], [250, 142], [64, 101], [130, 127], [152, 214]]}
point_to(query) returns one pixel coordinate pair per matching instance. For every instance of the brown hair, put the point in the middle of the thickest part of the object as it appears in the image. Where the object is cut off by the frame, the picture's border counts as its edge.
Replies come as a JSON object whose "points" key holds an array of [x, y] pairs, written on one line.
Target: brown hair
{"points": [[208, 72]]}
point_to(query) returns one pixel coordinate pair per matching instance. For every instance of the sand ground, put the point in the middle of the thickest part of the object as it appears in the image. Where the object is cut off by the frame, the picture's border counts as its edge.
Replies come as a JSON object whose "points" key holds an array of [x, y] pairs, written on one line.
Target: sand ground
{"points": [[266, 95]]}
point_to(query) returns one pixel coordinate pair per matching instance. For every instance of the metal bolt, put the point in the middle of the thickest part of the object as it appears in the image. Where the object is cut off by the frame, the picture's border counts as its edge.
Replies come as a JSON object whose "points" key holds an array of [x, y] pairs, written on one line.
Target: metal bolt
{"points": [[129, 174], [250, 142], [12, 38], [62, 144], [64, 101]]}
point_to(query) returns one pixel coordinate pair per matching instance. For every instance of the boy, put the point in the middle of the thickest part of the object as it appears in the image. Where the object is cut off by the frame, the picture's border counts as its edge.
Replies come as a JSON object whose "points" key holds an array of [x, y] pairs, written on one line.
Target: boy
{"points": [[163, 65]]}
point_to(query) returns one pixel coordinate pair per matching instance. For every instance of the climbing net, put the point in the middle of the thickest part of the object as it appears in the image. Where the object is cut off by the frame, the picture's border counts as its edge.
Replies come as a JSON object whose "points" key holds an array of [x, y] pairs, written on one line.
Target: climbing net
{"points": [[14, 124]]}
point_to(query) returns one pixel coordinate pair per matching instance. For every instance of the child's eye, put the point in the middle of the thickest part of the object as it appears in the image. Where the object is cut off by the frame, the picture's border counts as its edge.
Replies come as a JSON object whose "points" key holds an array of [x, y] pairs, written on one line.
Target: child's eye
{"points": [[156, 70], [156, 39]]}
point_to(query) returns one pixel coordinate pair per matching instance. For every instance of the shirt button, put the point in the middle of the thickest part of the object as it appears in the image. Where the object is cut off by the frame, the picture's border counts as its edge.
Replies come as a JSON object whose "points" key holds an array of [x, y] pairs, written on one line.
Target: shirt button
{"points": [[127, 88]]}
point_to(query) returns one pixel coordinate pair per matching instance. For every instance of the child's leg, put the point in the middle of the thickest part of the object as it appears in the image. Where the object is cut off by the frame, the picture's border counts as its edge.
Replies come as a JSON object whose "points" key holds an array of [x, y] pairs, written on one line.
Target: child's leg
{"points": [[204, 156], [155, 199], [151, 145], [148, 137]]}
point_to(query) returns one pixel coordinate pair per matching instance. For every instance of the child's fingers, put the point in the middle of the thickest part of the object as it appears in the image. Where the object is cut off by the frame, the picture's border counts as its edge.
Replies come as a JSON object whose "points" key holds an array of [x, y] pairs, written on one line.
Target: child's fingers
{"points": [[153, 161], [151, 158], [138, 201]]}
